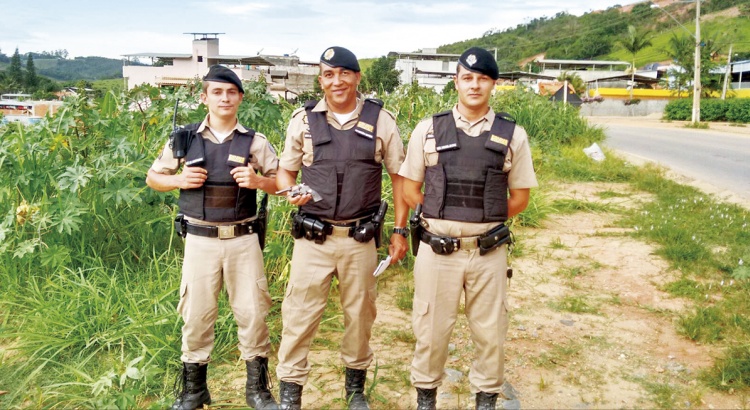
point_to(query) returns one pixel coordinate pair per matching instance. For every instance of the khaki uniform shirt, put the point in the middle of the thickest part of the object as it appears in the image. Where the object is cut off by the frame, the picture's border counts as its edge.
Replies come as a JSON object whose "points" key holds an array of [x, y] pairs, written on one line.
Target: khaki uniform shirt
{"points": [[262, 157], [421, 154], [298, 148]]}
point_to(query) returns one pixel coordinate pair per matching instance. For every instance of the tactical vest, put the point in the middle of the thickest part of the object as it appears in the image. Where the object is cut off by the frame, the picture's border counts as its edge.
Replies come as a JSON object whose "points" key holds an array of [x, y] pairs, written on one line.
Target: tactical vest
{"points": [[220, 199], [344, 171], [468, 182]]}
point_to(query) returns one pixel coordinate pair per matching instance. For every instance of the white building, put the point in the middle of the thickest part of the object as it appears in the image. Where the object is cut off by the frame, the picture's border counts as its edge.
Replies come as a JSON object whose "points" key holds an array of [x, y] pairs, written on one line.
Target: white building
{"points": [[427, 68], [285, 75]]}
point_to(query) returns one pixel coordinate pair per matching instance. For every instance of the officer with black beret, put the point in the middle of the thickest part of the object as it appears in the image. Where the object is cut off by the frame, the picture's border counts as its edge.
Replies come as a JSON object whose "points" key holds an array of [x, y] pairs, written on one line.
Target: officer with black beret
{"points": [[476, 169], [223, 164], [339, 145]]}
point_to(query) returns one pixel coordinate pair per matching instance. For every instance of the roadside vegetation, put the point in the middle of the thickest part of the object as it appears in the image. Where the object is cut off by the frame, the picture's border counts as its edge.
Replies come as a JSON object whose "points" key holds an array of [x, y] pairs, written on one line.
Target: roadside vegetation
{"points": [[91, 264]]}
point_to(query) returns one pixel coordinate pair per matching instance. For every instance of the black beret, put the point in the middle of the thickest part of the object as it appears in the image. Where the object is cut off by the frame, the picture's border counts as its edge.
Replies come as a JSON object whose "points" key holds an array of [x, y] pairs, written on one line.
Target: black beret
{"points": [[340, 57], [480, 61], [221, 74]]}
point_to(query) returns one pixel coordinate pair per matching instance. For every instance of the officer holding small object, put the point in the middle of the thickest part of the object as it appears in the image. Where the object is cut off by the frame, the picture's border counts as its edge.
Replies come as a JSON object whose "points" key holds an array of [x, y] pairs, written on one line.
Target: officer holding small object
{"points": [[477, 172], [340, 144], [222, 164]]}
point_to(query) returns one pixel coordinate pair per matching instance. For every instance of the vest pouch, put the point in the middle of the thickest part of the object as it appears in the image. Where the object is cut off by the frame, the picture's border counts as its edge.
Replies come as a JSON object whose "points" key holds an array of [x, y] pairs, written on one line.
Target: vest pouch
{"points": [[360, 189], [321, 178], [434, 193], [496, 195]]}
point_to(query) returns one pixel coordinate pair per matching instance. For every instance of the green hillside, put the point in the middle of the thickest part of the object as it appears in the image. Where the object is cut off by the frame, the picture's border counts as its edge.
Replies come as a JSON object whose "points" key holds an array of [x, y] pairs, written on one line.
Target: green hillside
{"points": [[595, 35]]}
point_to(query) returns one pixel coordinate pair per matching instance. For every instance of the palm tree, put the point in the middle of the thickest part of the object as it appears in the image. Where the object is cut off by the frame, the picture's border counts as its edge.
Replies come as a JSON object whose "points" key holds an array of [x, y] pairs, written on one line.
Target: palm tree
{"points": [[633, 43]]}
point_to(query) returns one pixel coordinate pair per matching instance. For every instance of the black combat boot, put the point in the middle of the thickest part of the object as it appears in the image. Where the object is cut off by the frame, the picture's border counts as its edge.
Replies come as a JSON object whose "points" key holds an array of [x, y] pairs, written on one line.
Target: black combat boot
{"points": [[355, 389], [194, 389], [290, 396], [486, 401], [257, 394], [426, 399]]}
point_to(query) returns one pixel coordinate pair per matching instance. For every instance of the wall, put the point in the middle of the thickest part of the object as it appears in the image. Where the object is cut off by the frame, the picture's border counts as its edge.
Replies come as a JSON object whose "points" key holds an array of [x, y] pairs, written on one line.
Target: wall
{"points": [[616, 108]]}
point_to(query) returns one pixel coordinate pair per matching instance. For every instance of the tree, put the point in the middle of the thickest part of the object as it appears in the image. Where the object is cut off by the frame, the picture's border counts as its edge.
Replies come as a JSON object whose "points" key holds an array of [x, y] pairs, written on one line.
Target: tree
{"points": [[31, 80], [682, 51], [15, 72], [633, 43], [382, 76], [575, 81]]}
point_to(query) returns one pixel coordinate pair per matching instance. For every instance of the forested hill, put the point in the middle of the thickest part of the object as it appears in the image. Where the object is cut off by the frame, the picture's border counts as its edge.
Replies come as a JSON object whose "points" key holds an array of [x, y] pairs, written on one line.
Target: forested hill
{"points": [[595, 35], [79, 68]]}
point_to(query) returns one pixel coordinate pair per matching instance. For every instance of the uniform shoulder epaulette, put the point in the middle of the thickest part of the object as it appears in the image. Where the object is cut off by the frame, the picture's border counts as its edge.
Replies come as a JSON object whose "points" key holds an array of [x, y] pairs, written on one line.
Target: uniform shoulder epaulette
{"points": [[375, 101], [505, 116], [298, 111]]}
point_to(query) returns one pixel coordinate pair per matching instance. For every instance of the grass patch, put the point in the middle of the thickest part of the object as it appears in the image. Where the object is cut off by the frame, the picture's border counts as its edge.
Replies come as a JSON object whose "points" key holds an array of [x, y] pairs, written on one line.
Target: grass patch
{"points": [[571, 206], [574, 304]]}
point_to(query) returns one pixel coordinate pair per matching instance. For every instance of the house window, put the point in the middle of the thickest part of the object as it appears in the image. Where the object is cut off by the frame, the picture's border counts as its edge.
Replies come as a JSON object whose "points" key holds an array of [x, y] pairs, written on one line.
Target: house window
{"points": [[200, 59], [445, 65]]}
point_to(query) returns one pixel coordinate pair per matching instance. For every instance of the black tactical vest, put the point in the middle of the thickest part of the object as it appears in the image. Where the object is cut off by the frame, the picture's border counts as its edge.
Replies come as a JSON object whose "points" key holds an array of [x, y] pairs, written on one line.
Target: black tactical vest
{"points": [[220, 199], [344, 171], [468, 183]]}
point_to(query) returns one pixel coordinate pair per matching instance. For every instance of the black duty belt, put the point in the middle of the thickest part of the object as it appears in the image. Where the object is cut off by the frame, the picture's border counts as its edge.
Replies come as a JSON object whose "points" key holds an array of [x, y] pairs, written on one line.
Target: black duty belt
{"points": [[223, 231], [445, 245]]}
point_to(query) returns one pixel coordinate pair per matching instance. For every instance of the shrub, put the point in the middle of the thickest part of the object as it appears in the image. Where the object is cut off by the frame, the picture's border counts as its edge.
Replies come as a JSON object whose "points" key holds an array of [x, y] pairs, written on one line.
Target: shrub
{"points": [[738, 110], [679, 110], [714, 110]]}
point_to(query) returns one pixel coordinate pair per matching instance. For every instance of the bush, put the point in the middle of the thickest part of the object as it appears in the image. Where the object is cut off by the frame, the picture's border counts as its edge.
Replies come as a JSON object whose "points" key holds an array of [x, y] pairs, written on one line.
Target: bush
{"points": [[738, 110], [732, 110], [714, 110], [679, 110]]}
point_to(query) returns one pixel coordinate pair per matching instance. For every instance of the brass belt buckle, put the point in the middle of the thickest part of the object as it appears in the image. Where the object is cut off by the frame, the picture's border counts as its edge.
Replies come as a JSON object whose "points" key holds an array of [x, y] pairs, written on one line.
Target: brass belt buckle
{"points": [[468, 244], [226, 231]]}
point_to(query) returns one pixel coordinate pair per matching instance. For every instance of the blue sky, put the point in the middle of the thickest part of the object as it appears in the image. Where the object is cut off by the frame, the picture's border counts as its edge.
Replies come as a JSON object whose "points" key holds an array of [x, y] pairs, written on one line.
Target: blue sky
{"points": [[369, 28]]}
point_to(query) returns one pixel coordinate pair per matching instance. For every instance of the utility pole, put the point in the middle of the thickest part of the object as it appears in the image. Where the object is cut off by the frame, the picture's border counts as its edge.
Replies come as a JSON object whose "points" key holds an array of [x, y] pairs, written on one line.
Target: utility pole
{"points": [[697, 67], [727, 73]]}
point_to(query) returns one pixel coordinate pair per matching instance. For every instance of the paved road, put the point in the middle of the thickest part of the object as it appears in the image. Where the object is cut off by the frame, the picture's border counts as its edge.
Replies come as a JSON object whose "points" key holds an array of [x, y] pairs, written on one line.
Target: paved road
{"points": [[713, 158]]}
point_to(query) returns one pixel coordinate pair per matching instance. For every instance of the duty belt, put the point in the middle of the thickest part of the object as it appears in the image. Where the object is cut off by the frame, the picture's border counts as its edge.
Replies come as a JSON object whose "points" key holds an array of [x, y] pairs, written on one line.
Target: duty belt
{"points": [[223, 231], [445, 245]]}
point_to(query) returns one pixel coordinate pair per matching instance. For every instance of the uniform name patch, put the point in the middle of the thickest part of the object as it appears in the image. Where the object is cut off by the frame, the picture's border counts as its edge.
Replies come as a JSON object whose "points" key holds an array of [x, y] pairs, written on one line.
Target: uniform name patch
{"points": [[365, 126], [499, 140], [447, 146], [236, 158]]}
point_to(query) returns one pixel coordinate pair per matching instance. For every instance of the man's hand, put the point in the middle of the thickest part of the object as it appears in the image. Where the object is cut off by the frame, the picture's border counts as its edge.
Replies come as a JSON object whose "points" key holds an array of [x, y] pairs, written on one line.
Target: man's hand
{"points": [[298, 200], [192, 178], [398, 248], [246, 177]]}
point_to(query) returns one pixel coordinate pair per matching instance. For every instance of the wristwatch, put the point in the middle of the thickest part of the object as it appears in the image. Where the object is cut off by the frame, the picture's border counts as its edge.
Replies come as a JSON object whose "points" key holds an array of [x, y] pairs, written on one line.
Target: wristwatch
{"points": [[401, 231]]}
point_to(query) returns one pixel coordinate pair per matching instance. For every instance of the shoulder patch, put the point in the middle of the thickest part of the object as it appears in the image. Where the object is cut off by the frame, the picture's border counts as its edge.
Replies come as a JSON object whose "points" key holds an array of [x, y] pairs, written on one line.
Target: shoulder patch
{"points": [[270, 147]]}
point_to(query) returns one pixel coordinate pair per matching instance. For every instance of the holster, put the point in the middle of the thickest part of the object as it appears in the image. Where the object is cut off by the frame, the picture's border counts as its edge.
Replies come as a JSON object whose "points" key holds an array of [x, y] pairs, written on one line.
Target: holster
{"points": [[493, 238], [262, 221], [416, 229], [180, 225], [310, 227]]}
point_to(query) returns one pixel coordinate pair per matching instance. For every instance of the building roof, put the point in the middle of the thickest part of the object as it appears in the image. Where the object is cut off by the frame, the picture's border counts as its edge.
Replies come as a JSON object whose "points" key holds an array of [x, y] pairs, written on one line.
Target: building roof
{"points": [[219, 59], [638, 78], [582, 62], [423, 56], [517, 75]]}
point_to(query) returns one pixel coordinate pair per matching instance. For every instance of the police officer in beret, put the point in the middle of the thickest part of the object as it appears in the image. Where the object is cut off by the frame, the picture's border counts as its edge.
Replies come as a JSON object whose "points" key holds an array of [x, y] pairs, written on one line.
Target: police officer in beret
{"points": [[340, 145], [223, 164], [476, 169]]}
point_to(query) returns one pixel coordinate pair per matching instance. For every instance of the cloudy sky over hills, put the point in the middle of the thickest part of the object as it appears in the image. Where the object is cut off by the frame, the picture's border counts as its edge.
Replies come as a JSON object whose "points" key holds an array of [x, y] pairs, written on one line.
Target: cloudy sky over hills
{"points": [[369, 28]]}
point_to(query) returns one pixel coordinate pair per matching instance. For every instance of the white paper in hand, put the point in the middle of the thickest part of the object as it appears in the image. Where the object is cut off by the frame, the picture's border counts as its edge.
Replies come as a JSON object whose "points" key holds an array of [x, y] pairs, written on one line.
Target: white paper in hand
{"points": [[382, 266]]}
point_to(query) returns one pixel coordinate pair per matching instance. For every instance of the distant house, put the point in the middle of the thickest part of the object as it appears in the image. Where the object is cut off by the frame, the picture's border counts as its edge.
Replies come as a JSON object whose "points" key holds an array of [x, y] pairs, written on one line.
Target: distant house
{"points": [[427, 68], [172, 69]]}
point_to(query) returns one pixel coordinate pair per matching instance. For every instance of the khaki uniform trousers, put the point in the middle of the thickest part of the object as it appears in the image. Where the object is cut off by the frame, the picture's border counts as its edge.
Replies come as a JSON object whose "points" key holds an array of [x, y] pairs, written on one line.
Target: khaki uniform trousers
{"points": [[313, 268], [439, 281], [237, 263]]}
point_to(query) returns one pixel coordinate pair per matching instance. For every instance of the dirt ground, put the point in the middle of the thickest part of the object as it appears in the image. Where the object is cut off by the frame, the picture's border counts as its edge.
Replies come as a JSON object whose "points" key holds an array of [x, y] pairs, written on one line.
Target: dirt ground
{"points": [[623, 352], [620, 354]]}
